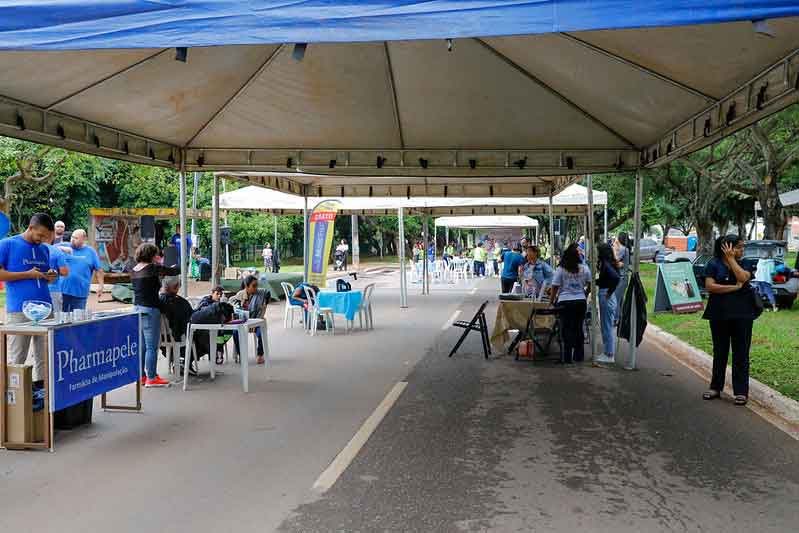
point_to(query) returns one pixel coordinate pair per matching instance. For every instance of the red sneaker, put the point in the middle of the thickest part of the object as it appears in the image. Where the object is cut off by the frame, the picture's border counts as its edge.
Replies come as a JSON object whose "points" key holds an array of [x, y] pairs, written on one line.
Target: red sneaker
{"points": [[144, 380], [157, 381]]}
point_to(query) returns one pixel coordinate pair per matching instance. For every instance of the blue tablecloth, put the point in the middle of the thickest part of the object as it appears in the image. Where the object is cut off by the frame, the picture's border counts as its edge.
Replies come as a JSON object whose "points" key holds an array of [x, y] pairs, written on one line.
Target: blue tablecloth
{"points": [[342, 303]]}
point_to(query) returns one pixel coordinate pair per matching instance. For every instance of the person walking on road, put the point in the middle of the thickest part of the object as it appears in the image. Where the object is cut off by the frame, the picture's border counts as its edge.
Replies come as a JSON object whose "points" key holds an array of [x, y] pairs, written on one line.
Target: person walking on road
{"points": [[607, 282], [730, 311], [568, 292], [267, 256], [511, 262], [82, 262]]}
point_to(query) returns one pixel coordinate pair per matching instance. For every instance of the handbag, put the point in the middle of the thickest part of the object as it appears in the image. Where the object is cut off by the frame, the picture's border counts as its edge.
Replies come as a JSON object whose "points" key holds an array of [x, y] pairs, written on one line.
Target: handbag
{"points": [[756, 301]]}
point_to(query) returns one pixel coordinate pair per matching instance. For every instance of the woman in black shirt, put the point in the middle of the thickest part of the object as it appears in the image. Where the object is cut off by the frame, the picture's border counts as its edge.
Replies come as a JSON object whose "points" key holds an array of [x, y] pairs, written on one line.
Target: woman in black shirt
{"points": [[608, 281], [146, 280], [729, 310]]}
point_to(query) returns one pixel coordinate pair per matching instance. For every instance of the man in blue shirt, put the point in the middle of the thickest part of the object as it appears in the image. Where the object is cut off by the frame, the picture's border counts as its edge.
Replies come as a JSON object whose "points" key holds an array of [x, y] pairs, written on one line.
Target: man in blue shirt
{"points": [[175, 240], [58, 264], [25, 269], [83, 262], [511, 261]]}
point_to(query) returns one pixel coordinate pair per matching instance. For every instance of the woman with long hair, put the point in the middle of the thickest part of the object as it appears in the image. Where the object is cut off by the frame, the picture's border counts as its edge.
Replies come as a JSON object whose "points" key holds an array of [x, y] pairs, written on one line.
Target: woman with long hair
{"points": [[146, 280], [607, 283], [568, 292], [731, 315]]}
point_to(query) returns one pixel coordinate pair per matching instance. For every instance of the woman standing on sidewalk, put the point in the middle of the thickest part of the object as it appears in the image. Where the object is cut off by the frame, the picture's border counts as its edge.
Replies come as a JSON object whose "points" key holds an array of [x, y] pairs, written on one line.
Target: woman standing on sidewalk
{"points": [[731, 313], [568, 288], [607, 282]]}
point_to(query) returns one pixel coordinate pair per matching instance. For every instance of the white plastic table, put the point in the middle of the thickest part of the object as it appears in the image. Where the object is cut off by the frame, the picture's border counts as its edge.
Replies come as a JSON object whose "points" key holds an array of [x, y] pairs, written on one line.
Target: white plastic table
{"points": [[243, 330]]}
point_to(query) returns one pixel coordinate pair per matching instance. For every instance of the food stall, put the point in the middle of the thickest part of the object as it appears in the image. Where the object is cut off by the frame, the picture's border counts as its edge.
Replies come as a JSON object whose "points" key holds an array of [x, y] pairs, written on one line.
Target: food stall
{"points": [[87, 356]]}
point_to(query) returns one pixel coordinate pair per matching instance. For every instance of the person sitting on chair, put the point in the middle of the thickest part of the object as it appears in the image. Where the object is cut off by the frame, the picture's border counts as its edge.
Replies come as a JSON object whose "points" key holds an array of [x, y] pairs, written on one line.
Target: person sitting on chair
{"points": [[253, 300], [178, 311], [217, 295]]}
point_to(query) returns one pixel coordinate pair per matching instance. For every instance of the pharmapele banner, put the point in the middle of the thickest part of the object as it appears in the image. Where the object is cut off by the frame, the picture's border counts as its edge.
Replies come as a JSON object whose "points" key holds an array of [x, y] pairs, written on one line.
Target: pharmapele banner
{"points": [[320, 240], [676, 289], [92, 358]]}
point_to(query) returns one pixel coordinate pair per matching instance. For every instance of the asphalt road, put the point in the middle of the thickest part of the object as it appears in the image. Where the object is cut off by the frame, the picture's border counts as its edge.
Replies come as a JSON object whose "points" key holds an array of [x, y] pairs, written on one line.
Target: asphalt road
{"points": [[499, 445]]}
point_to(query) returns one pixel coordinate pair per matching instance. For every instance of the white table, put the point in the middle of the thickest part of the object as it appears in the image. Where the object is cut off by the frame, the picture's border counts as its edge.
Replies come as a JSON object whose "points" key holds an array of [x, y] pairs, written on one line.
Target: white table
{"points": [[243, 330]]}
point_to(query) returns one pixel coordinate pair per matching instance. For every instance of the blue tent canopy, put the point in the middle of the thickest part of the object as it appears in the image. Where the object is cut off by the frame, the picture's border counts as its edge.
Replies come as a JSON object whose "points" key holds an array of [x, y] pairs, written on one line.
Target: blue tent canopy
{"points": [[90, 24]]}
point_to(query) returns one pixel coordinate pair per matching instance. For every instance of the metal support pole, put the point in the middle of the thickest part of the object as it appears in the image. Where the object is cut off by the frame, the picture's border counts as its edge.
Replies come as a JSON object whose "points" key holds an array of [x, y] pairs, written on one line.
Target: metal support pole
{"points": [[215, 234], [184, 278], [606, 222], [401, 251], [551, 231], [227, 245], [435, 240], [426, 240], [305, 240], [446, 237], [631, 362], [275, 254], [356, 244], [590, 243], [193, 233]]}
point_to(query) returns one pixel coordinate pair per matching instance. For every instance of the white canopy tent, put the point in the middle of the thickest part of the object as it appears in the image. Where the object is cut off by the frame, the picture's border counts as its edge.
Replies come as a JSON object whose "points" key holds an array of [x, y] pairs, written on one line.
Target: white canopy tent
{"points": [[381, 98], [487, 222]]}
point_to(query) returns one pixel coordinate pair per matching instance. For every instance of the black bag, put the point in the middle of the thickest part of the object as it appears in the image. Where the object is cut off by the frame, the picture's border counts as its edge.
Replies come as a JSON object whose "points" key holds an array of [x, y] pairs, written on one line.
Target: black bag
{"points": [[755, 299], [343, 286]]}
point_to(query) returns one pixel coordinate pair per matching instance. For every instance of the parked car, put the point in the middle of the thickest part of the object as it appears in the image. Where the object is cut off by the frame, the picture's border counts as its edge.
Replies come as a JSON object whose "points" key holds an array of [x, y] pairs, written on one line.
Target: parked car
{"points": [[784, 293], [650, 250]]}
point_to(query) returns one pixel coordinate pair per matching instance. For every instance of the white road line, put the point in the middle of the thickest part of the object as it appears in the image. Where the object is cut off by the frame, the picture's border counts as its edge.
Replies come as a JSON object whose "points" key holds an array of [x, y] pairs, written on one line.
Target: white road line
{"points": [[331, 474], [473, 290], [451, 319]]}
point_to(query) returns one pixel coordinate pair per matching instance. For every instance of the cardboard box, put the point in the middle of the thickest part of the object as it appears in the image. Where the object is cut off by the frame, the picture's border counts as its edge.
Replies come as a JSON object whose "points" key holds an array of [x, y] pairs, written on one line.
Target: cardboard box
{"points": [[39, 425], [19, 403]]}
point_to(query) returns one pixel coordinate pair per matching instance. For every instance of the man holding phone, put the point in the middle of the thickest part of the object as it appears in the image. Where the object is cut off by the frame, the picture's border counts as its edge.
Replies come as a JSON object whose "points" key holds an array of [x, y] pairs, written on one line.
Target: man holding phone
{"points": [[25, 270]]}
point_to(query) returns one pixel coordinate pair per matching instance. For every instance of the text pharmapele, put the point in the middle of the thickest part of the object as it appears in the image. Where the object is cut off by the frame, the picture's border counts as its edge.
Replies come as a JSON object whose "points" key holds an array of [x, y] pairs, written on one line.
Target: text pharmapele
{"points": [[67, 359]]}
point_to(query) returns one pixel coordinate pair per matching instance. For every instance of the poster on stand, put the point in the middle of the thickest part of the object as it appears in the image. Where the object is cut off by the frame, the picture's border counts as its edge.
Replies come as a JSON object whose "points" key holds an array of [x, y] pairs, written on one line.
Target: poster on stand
{"points": [[320, 240], [676, 289]]}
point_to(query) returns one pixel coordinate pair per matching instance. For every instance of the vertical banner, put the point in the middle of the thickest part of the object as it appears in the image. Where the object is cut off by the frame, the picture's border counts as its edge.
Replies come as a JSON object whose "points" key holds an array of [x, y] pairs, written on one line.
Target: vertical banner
{"points": [[320, 240]]}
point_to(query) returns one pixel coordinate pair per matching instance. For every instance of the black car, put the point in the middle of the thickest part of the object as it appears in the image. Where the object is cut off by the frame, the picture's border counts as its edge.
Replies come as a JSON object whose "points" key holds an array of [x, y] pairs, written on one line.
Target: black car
{"points": [[784, 293]]}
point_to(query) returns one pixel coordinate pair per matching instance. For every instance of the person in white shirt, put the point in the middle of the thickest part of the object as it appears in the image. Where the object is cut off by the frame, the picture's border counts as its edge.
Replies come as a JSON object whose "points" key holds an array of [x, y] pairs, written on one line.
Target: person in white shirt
{"points": [[267, 255], [568, 293], [343, 247], [764, 278]]}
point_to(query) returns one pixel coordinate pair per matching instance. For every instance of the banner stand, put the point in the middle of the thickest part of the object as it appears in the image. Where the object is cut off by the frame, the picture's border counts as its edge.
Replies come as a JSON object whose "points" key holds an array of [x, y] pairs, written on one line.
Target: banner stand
{"points": [[676, 289]]}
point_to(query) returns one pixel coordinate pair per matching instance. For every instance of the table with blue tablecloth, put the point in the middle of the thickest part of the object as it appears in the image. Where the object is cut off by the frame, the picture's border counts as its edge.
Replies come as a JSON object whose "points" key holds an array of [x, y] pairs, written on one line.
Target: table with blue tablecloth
{"points": [[342, 303]]}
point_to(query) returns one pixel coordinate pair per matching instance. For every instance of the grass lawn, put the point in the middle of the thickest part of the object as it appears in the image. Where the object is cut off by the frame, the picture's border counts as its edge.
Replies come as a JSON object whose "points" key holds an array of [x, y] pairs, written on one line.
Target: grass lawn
{"points": [[775, 345]]}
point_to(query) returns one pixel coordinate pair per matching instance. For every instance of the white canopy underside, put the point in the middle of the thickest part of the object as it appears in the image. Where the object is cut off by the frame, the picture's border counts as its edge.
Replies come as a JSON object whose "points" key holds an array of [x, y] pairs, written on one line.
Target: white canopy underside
{"points": [[487, 222], [489, 115], [572, 201]]}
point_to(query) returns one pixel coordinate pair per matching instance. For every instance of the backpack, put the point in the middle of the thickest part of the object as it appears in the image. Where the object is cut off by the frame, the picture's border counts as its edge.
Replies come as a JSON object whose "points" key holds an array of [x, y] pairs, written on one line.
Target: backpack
{"points": [[343, 286]]}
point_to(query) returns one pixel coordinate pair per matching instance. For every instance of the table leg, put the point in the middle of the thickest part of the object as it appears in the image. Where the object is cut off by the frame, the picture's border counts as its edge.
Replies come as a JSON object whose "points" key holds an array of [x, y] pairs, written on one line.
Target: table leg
{"points": [[187, 358], [211, 357], [265, 342], [244, 343]]}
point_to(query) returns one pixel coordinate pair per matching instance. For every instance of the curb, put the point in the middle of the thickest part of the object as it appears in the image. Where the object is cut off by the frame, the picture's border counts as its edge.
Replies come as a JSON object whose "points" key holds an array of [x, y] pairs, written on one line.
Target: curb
{"points": [[773, 406]]}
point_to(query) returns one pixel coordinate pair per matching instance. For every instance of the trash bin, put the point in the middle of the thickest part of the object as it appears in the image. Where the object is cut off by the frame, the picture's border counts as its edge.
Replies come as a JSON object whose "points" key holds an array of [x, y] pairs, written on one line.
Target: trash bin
{"points": [[77, 415]]}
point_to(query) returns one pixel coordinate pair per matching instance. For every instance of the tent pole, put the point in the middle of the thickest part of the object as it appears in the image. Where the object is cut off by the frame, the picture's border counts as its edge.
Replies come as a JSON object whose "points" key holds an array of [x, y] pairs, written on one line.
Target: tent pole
{"points": [[194, 208], [305, 240], [446, 237], [227, 245], [215, 234], [590, 242], [426, 239], [635, 268], [356, 245], [551, 231], [606, 222], [184, 288], [275, 255], [435, 240], [401, 251]]}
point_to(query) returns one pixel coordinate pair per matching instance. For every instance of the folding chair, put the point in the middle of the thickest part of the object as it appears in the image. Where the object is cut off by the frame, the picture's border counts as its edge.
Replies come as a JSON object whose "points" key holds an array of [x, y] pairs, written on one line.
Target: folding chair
{"points": [[477, 323]]}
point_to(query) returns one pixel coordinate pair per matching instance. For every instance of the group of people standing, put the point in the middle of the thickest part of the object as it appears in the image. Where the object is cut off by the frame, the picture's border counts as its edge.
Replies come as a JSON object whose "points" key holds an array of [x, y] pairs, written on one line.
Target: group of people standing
{"points": [[42, 264]]}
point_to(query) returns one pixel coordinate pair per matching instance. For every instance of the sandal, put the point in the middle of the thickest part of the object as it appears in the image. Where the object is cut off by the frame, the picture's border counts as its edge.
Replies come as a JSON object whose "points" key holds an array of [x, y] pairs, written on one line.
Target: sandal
{"points": [[740, 400], [711, 395]]}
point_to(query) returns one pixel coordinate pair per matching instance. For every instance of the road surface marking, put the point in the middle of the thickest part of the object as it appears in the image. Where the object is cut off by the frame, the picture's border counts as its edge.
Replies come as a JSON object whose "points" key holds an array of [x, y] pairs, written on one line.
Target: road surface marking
{"points": [[329, 477], [473, 290], [451, 319]]}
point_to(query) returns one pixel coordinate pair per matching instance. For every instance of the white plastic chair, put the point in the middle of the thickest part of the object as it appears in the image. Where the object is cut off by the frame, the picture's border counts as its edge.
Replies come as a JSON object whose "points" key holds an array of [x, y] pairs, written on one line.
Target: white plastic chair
{"points": [[171, 346], [413, 271], [366, 308], [288, 290], [458, 270], [314, 312]]}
